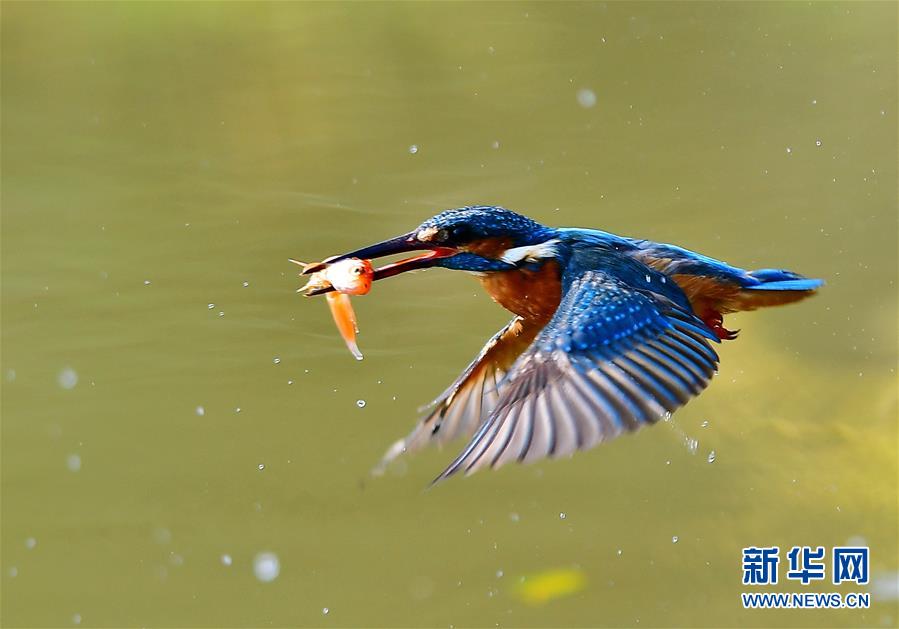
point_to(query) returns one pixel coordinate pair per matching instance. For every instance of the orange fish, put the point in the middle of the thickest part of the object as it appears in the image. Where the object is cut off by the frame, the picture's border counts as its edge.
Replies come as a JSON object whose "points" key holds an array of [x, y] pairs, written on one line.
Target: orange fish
{"points": [[351, 276]]}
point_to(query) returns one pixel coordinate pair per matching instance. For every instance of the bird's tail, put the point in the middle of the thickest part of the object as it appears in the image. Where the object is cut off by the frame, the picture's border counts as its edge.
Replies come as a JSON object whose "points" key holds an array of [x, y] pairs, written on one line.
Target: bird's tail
{"points": [[776, 287]]}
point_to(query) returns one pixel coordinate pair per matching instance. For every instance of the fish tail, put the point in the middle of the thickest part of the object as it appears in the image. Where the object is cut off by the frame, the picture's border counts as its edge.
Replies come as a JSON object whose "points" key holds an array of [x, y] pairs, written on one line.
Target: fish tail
{"points": [[345, 318]]}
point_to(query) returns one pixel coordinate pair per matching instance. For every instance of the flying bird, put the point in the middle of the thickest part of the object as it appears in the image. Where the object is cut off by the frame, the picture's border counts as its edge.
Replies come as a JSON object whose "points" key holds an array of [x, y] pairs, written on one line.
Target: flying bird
{"points": [[610, 333]]}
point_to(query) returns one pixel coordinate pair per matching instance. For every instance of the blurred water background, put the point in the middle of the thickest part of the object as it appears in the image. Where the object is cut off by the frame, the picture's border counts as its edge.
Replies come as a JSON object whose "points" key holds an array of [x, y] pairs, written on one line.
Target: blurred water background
{"points": [[182, 438]]}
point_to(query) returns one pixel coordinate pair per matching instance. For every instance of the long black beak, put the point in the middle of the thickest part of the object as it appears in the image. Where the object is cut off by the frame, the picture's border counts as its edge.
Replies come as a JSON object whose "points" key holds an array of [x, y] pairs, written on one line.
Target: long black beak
{"points": [[401, 244]]}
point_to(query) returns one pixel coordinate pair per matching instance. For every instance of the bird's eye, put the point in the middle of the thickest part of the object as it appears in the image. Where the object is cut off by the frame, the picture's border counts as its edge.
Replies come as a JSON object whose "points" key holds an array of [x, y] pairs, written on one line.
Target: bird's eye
{"points": [[442, 235], [460, 233]]}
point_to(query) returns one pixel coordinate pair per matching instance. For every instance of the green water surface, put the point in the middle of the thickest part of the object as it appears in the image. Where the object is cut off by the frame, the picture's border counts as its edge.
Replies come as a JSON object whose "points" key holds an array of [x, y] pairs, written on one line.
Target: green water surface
{"points": [[171, 408]]}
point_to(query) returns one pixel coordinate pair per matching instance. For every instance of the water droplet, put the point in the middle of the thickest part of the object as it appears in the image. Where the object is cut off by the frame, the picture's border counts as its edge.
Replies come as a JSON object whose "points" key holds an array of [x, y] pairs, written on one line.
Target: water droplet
{"points": [[226, 560], [499, 574], [618, 552], [712, 457], [266, 567], [200, 411], [67, 378], [413, 149], [325, 611], [674, 539], [245, 284], [76, 619], [692, 444], [221, 313], [586, 98], [276, 360], [73, 462], [789, 150], [514, 516], [495, 144], [261, 466], [237, 410], [562, 516], [30, 543], [162, 535], [705, 424], [360, 403], [146, 282], [210, 306], [817, 142]]}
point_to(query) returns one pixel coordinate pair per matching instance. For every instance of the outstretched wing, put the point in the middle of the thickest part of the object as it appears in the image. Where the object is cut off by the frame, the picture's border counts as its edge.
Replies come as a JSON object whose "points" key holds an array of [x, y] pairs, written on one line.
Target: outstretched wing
{"points": [[472, 396], [612, 359]]}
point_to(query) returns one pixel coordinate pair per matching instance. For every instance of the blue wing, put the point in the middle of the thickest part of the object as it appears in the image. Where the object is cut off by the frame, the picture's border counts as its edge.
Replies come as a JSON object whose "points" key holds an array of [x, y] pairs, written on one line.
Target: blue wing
{"points": [[612, 359]]}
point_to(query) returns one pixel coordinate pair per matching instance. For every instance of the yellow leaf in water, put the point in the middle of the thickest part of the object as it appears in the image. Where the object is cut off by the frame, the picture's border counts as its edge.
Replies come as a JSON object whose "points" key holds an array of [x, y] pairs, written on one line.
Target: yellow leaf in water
{"points": [[545, 586]]}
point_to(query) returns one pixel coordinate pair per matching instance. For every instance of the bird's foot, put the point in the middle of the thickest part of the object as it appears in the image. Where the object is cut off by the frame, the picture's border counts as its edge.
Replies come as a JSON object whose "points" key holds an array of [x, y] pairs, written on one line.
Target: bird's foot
{"points": [[715, 321]]}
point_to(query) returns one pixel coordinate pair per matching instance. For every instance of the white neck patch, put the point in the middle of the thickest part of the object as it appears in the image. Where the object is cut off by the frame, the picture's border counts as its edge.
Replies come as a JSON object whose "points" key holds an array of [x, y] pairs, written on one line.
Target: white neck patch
{"points": [[530, 253]]}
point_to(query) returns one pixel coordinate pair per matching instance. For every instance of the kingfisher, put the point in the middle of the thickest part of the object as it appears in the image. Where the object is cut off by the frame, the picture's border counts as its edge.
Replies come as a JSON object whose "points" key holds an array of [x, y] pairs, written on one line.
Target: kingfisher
{"points": [[609, 333]]}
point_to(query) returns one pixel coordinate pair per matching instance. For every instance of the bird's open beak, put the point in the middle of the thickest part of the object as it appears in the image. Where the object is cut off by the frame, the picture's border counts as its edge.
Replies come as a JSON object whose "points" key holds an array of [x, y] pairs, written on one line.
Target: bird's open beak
{"points": [[401, 244]]}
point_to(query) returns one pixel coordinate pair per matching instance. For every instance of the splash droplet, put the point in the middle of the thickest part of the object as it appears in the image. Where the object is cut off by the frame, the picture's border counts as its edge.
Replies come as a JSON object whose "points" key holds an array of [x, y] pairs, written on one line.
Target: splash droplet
{"points": [[200, 411], [210, 306], [67, 378], [712, 457], [266, 566], [586, 98], [73, 462], [562, 516], [325, 611], [413, 149], [276, 360], [226, 560], [360, 403], [674, 539]]}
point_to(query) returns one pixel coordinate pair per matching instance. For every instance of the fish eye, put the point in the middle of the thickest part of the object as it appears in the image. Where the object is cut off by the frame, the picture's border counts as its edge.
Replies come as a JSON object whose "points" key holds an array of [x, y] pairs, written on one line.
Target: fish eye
{"points": [[357, 270]]}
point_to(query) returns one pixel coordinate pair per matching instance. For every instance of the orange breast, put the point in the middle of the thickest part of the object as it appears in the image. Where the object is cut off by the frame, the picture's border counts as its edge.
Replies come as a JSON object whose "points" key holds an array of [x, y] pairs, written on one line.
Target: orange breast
{"points": [[534, 295]]}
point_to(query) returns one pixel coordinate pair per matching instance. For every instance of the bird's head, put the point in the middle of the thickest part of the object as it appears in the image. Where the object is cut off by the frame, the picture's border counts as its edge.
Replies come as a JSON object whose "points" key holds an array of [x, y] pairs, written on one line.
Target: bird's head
{"points": [[480, 239]]}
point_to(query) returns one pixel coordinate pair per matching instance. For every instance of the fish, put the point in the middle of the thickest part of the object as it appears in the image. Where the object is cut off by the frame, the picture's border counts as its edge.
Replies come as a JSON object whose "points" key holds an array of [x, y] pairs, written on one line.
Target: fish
{"points": [[351, 276]]}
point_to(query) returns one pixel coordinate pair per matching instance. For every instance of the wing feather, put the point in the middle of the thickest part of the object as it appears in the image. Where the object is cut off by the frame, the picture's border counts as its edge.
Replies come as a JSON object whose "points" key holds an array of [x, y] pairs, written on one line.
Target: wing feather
{"points": [[612, 359], [461, 408]]}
